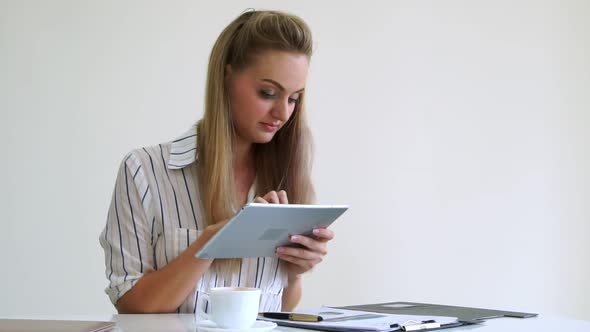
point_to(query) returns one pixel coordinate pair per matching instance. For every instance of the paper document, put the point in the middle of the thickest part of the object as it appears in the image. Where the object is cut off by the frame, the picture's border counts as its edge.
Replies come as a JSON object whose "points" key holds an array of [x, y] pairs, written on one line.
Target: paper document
{"points": [[353, 320]]}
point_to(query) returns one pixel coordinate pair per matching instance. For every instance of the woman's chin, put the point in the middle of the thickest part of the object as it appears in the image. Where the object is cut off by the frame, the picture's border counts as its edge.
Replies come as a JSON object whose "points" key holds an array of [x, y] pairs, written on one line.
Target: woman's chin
{"points": [[263, 138]]}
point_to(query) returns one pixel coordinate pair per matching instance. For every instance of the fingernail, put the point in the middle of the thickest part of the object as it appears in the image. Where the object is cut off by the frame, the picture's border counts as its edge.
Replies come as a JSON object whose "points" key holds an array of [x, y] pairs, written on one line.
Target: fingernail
{"points": [[280, 250], [316, 231], [294, 238]]}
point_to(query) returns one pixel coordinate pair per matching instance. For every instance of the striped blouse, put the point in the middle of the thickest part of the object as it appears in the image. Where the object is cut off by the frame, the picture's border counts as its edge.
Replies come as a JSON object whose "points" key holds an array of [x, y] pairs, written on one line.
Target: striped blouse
{"points": [[155, 214]]}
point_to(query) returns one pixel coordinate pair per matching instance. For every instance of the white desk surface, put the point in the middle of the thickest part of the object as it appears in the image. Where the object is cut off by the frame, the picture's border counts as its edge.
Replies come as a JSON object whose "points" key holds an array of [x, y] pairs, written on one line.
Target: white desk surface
{"points": [[186, 323]]}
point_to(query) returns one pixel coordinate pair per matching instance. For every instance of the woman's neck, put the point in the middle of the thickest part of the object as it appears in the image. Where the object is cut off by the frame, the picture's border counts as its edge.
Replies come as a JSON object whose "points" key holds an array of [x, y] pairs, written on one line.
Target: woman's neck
{"points": [[244, 172], [243, 156]]}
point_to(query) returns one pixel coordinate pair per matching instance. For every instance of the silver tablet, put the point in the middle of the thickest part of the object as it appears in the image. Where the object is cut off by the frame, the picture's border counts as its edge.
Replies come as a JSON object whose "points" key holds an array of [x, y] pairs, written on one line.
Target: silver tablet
{"points": [[259, 228]]}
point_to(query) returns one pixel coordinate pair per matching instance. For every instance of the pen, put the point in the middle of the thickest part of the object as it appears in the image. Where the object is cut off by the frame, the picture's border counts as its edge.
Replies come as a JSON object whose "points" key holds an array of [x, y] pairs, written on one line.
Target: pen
{"points": [[424, 325], [292, 316]]}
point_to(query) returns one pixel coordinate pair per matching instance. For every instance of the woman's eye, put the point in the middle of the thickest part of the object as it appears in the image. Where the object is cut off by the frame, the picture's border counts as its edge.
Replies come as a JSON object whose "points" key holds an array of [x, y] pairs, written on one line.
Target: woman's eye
{"points": [[293, 100], [267, 94]]}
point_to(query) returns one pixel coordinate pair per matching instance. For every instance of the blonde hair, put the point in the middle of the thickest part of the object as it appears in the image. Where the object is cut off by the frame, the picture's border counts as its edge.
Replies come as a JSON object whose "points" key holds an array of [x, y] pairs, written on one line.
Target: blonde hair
{"points": [[282, 164]]}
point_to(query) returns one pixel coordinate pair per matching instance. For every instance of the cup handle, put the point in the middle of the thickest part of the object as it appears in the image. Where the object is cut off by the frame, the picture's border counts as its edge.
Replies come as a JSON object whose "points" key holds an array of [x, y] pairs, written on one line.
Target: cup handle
{"points": [[200, 312]]}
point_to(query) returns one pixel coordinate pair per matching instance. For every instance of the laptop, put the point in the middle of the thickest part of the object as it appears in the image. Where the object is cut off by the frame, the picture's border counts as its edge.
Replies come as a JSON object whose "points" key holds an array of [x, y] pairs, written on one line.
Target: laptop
{"points": [[38, 325]]}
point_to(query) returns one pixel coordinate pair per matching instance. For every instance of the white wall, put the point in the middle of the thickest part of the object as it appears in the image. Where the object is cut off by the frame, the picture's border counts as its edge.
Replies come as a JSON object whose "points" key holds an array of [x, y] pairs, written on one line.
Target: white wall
{"points": [[456, 131]]}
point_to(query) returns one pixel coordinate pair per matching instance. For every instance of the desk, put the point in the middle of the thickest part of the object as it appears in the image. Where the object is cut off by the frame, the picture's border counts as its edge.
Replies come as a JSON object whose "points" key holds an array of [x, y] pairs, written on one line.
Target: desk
{"points": [[186, 323]]}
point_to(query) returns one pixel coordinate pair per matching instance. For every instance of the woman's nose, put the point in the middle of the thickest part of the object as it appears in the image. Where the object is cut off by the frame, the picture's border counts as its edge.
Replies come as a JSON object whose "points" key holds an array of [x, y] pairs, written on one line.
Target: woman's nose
{"points": [[281, 110]]}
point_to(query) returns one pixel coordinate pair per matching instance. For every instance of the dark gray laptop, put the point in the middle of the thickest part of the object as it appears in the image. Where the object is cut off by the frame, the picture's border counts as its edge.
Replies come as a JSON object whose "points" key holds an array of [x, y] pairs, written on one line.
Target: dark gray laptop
{"points": [[39, 325], [464, 314]]}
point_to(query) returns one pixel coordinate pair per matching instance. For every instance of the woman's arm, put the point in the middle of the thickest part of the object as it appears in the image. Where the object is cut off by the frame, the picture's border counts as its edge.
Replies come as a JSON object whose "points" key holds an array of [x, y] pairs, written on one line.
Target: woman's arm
{"points": [[164, 290], [292, 294], [301, 260], [298, 260]]}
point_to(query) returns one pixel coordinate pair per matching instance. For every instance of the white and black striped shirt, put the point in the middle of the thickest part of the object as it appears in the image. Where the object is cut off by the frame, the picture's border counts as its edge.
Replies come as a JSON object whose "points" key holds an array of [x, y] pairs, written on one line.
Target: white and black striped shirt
{"points": [[155, 214]]}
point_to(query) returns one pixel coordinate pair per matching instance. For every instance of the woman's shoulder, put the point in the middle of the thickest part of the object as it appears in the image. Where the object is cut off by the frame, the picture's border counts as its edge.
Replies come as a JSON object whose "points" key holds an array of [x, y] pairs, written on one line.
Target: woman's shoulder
{"points": [[173, 154]]}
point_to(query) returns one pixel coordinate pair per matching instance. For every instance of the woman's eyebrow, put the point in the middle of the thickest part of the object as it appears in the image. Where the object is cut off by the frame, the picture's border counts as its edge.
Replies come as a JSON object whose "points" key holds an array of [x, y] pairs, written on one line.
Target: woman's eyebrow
{"points": [[282, 88]]}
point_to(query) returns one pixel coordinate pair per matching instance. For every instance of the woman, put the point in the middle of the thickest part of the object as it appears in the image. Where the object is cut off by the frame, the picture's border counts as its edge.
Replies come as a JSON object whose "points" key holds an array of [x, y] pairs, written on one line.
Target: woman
{"points": [[251, 144]]}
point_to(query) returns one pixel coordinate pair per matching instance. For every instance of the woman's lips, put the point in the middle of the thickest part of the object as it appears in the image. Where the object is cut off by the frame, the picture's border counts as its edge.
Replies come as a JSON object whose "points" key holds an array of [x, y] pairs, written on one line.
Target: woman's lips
{"points": [[268, 127]]}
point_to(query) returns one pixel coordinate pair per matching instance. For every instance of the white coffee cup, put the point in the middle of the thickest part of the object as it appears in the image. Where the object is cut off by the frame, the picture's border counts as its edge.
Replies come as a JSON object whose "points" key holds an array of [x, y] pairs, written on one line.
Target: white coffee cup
{"points": [[232, 307]]}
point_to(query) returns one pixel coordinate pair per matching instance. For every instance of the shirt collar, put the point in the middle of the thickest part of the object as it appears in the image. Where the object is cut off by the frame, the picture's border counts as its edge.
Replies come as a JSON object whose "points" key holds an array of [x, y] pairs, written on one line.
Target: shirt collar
{"points": [[183, 150]]}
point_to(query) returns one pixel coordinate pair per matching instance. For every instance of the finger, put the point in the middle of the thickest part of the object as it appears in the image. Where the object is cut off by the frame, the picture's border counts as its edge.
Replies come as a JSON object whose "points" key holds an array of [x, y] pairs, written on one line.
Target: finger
{"points": [[303, 263], [301, 253], [260, 200], [272, 197], [283, 197], [311, 244], [297, 261], [218, 225], [323, 234]]}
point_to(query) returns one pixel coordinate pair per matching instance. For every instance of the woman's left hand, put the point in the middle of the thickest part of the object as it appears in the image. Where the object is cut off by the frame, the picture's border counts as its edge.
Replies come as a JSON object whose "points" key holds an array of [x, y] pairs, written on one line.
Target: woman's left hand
{"points": [[311, 251]]}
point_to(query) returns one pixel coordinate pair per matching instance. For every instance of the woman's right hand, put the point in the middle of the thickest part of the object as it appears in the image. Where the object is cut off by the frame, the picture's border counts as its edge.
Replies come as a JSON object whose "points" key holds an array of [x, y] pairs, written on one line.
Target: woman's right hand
{"points": [[273, 197], [213, 229]]}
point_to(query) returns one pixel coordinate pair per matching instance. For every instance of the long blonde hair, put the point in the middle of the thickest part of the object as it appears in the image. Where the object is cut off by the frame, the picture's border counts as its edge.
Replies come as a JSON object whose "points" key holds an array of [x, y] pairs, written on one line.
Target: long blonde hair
{"points": [[282, 164]]}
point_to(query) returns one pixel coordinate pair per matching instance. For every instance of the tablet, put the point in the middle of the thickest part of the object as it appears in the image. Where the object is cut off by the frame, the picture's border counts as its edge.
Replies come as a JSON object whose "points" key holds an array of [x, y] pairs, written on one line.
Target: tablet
{"points": [[259, 228]]}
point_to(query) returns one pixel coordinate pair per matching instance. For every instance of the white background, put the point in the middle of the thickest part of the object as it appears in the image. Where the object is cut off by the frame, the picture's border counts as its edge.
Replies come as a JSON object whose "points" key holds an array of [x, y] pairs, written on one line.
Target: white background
{"points": [[457, 131]]}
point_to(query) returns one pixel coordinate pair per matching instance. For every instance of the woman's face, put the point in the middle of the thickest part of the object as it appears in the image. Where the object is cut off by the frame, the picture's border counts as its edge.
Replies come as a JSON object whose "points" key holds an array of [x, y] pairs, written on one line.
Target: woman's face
{"points": [[263, 95]]}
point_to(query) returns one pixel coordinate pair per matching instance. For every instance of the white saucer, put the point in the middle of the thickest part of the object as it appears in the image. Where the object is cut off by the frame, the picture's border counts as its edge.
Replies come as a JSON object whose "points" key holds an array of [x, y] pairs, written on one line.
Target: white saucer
{"points": [[259, 326]]}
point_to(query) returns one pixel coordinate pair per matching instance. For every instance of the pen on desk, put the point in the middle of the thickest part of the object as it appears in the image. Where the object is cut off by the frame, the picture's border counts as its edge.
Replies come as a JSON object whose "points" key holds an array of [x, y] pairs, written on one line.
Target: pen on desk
{"points": [[424, 325], [292, 316]]}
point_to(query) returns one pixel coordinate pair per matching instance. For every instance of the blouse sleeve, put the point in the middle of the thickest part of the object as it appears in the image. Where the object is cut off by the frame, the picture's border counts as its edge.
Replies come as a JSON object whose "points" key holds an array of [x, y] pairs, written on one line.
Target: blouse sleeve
{"points": [[126, 238]]}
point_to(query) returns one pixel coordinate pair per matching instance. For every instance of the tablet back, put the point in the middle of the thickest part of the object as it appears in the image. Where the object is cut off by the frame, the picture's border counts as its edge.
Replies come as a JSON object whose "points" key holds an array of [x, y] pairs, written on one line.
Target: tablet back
{"points": [[258, 229]]}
